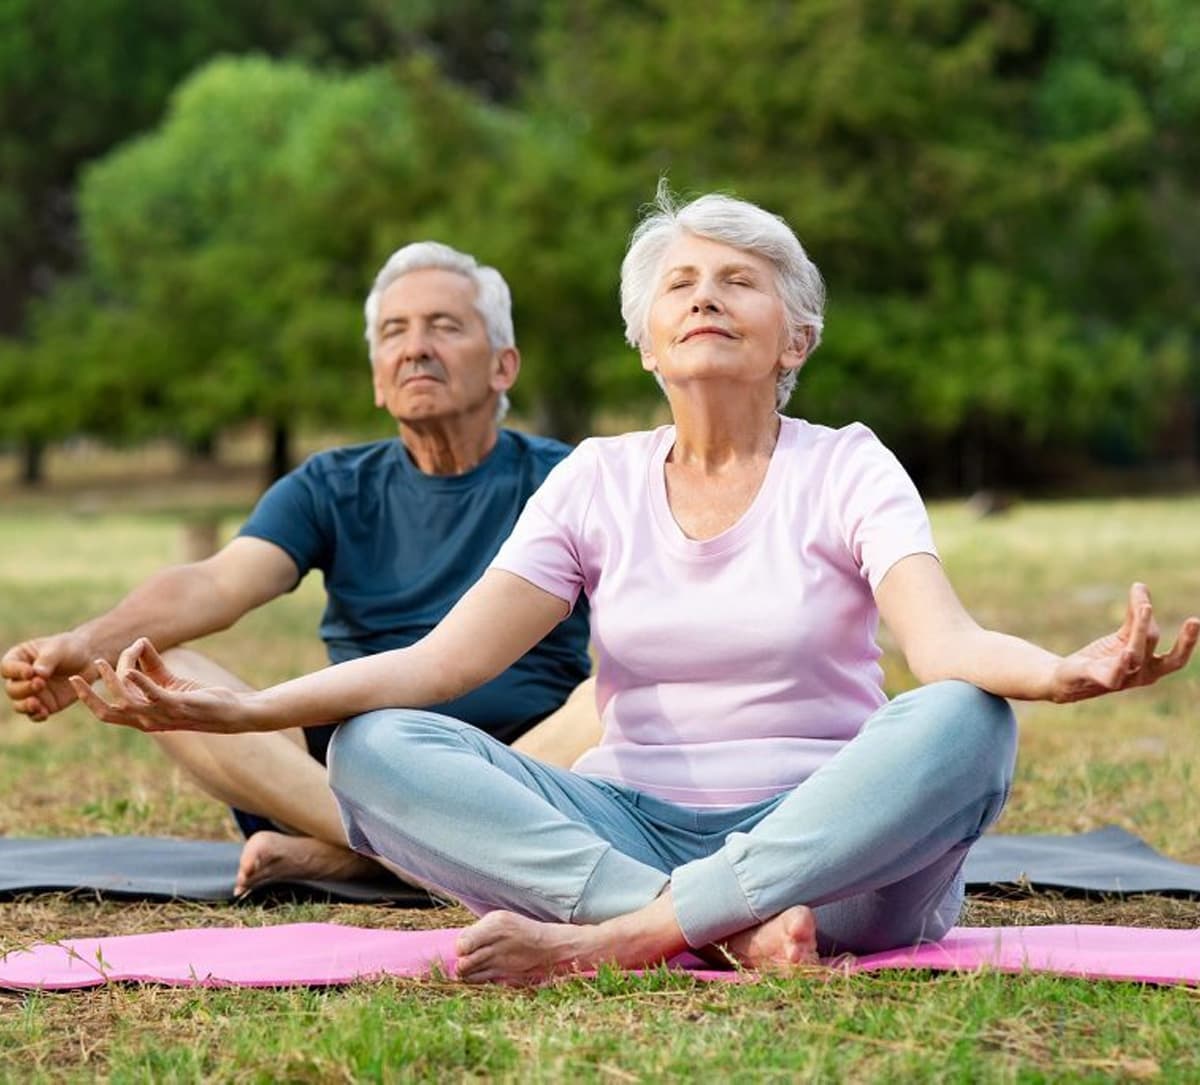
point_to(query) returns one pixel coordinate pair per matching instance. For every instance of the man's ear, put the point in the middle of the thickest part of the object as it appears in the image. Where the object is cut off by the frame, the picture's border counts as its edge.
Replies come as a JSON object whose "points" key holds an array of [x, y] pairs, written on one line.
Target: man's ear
{"points": [[506, 365], [377, 384]]}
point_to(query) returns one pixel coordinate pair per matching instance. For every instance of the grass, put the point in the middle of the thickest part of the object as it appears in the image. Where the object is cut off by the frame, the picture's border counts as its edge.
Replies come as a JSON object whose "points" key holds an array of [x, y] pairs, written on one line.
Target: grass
{"points": [[1055, 572]]}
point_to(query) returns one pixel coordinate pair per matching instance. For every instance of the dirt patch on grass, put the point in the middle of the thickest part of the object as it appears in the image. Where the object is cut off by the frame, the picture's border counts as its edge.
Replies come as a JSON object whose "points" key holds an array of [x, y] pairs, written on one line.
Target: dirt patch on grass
{"points": [[32, 918], [1042, 909]]}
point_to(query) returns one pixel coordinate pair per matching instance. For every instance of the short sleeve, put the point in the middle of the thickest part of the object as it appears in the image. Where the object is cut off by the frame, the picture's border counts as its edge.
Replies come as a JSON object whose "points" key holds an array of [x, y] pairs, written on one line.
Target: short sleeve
{"points": [[290, 516], [545, 544], [882, 516]]}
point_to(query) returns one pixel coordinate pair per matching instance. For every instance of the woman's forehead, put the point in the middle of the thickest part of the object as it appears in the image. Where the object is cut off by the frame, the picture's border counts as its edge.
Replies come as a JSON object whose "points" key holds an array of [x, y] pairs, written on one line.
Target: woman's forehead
{"points": [[692, 251]]}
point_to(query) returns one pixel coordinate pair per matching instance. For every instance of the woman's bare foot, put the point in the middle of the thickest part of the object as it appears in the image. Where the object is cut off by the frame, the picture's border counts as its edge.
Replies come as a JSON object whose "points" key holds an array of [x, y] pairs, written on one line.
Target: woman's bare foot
{"points": [[276, 857], [509, 948], [506, 947], [782, 943]]}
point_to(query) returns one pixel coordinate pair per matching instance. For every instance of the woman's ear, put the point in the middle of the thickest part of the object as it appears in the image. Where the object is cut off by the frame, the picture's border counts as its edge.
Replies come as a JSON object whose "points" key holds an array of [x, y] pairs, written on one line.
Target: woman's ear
{"points": [[795, 354], [649, 362]]}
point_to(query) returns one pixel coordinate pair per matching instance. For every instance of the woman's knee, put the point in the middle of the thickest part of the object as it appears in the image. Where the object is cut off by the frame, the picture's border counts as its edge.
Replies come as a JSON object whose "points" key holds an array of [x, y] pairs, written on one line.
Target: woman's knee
{"points": [[964, 738], [972, 721], [385, 747]]}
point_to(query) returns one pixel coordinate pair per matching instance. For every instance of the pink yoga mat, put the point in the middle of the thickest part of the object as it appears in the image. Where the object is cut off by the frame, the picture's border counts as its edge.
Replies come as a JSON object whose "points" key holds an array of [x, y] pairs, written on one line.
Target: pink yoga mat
{"points": [[318, 954]]}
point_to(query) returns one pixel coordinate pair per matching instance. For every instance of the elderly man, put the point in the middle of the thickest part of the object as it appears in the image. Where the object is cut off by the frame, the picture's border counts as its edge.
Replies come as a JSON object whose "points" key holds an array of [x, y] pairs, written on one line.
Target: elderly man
{"points": [[399, 528]]}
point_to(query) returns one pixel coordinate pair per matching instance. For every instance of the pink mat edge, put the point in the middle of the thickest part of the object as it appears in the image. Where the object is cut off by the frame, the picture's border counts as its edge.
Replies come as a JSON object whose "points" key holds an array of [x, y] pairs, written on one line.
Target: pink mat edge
{"points": [[1097, 952]]}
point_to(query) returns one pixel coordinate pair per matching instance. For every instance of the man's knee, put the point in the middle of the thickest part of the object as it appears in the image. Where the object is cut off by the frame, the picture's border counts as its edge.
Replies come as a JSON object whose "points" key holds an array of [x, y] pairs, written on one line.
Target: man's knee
{"points": [[197, 667]]}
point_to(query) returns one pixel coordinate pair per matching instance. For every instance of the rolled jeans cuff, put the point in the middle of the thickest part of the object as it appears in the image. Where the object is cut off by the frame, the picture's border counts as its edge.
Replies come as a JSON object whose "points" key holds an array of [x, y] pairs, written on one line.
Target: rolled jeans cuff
{"points": [[709, 902], [617, 886]]}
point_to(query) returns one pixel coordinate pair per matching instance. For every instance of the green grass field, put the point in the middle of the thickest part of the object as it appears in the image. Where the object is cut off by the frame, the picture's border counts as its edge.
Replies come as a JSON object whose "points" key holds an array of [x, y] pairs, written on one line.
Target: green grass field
{"points": [[1056, 573]]}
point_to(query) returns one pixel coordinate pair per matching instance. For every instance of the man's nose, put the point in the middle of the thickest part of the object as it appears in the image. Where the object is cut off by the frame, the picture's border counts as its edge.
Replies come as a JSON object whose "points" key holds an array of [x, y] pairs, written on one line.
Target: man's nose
{"points": [[415, 346]]}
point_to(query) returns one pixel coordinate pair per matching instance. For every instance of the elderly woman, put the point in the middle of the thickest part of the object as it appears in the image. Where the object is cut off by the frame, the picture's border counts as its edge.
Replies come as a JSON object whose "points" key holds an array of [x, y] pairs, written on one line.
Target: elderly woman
{"points": [[754, 790]]}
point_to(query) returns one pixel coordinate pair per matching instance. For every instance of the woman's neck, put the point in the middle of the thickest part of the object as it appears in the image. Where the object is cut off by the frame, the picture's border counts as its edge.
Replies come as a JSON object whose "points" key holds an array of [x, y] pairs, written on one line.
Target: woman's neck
{"points": [[712, 433]]}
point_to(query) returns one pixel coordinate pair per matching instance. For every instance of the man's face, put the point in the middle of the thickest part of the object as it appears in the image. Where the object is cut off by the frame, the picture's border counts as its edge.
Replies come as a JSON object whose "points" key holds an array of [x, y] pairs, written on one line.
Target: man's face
{"points": [[433, 359]]}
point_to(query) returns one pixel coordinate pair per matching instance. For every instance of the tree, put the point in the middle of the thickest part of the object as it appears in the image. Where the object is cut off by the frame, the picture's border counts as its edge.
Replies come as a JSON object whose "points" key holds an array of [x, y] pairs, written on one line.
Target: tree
{"points": [[78, 76], [239, 236], [959, 170]]}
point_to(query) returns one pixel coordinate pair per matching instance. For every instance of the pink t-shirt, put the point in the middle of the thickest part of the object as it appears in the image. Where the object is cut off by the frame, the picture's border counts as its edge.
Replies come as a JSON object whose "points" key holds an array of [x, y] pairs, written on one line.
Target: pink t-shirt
{"points": [[729, 669]]}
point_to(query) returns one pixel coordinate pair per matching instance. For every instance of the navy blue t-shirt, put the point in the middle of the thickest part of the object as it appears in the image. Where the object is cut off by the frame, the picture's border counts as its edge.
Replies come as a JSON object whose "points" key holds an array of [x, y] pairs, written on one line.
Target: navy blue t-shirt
{"points": [[398, 548]]}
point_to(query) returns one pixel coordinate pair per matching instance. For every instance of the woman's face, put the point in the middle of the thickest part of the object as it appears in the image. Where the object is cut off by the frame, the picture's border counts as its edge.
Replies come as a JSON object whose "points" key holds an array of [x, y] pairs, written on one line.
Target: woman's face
{"points": [[717, 314]]}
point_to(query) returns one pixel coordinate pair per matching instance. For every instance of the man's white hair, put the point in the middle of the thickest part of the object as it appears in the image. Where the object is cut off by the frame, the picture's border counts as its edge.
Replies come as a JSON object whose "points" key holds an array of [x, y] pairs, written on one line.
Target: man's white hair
{"points": [[732, 222], [493, 300]]}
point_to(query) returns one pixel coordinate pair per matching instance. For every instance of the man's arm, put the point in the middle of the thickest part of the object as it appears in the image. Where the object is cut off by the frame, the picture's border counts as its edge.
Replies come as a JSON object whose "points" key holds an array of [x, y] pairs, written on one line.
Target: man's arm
{"points": [[488, 630], [175, 605]]}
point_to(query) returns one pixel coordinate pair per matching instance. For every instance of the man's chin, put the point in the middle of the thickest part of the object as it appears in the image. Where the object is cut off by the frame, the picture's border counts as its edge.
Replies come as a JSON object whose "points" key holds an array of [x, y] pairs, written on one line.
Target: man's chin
{"points": [[420, 406], [428, 409]]}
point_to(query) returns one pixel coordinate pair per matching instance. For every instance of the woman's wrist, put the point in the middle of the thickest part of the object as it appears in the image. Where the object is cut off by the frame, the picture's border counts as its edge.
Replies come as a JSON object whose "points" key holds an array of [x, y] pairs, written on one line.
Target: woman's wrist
{"points": [[256, 711], [1054, 685]]}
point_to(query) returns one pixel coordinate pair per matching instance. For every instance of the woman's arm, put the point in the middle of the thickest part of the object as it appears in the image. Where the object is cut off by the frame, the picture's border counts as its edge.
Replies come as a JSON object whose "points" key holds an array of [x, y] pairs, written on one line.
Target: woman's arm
{"points": [[491, 627], [941, 640]]}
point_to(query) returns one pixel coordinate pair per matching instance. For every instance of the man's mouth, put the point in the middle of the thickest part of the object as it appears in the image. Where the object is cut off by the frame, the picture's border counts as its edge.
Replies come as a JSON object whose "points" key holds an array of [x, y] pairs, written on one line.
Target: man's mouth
{"points": [[420, 378]]}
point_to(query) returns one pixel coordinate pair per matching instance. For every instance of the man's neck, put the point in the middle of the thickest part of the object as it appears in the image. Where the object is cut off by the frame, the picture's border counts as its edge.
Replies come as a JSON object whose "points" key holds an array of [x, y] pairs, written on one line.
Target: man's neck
{"points": [[448, 447]]}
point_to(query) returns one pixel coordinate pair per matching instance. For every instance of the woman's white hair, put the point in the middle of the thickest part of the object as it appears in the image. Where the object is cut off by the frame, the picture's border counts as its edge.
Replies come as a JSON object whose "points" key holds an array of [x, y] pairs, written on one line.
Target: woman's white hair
{"points": [[493, 300], [731, 222]]}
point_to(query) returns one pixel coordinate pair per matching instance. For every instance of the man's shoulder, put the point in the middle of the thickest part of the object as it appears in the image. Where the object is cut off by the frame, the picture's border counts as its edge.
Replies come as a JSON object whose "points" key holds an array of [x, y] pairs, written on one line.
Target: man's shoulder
{"points": [[531, 458], [530, 446], [332, 463]]}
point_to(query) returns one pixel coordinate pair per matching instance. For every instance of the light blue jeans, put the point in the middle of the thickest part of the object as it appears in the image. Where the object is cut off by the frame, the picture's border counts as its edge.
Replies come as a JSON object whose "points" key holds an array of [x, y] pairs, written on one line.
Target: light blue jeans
{"points": [[874, 841]]}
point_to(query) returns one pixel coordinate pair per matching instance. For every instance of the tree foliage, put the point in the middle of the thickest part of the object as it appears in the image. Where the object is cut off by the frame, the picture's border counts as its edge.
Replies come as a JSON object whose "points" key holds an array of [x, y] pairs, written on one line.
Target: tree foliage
{"points": [[1004, 198], [234, 243], [990, 189], [79, 76]]}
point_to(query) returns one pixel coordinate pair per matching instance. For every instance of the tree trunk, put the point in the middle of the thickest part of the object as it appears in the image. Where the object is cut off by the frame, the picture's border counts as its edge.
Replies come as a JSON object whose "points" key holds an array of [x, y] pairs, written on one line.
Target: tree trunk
{"points": [[281, 450], [199, 537], [201, 451], [567, 418], [33, 463]]}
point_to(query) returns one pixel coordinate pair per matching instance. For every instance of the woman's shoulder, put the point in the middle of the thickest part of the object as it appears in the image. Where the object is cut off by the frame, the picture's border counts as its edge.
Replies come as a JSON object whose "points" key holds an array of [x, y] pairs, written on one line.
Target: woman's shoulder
{"points": [[631, 447], [832, 441]]}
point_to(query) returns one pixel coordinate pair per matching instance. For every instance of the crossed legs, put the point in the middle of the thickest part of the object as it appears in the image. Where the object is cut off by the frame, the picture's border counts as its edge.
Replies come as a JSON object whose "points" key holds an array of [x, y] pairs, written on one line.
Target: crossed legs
{"points": [[864, 855], [273, 776]]}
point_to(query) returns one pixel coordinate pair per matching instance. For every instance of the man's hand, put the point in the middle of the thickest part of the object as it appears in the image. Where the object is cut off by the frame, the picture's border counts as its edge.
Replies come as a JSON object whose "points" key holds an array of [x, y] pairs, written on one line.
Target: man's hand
{"points": [[36, 673], [1126, 658]]}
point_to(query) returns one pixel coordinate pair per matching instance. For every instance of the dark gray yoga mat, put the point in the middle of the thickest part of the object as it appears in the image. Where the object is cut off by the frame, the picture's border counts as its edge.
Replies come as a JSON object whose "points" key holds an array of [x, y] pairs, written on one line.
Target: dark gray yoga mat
{"points": [[1107, 860], [156, 868]]}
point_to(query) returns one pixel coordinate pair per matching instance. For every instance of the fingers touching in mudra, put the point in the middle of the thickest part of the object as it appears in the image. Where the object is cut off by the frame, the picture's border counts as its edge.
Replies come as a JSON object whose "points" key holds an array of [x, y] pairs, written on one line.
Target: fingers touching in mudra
{"points": [[1126, 658], [143, 693]]}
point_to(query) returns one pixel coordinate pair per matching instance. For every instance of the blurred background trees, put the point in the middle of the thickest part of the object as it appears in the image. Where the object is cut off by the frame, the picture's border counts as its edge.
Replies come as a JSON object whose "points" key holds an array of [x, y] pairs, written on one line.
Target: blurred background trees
{"points": [[1004, 198]]}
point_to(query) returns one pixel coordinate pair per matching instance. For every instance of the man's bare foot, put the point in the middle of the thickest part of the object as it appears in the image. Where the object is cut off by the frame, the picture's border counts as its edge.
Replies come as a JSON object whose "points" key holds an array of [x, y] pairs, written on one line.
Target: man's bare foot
{"points": [[782, 943], [276, 857], [506, 947]]}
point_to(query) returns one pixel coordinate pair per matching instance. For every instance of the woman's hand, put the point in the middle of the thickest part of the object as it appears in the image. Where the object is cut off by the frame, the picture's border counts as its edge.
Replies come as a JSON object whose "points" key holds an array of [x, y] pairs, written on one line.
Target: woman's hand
{"points": [[145, 694], [1123, 659]]}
